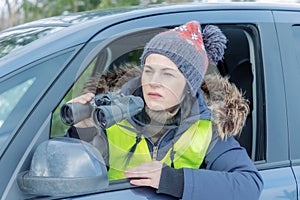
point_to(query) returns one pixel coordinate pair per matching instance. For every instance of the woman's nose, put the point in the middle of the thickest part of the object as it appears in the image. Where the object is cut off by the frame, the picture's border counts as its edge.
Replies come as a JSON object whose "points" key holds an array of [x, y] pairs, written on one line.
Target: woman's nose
{"points": [[155, 80]]}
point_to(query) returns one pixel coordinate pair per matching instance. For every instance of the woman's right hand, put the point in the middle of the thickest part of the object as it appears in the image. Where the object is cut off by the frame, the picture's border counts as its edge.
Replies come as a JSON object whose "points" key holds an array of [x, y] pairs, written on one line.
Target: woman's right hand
{"points": [[84, 99]]}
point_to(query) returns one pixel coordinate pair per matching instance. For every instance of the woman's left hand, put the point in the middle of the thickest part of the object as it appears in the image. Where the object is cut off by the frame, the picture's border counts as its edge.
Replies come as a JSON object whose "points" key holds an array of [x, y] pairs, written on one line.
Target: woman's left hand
{"points": [[146, 174]]}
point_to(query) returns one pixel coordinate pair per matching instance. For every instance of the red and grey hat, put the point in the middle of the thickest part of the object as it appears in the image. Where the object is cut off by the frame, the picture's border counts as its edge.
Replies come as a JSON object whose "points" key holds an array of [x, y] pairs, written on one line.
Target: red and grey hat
{"points": [[190, 49]]}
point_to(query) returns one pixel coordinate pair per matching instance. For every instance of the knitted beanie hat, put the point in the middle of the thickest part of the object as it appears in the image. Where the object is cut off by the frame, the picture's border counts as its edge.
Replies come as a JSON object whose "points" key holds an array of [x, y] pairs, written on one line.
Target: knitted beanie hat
{"points": [[190, 49]]}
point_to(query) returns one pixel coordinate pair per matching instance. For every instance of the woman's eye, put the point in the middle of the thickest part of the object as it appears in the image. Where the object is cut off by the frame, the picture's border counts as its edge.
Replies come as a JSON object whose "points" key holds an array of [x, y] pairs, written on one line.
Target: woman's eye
{"points": [[169, 74], [147, 71]]}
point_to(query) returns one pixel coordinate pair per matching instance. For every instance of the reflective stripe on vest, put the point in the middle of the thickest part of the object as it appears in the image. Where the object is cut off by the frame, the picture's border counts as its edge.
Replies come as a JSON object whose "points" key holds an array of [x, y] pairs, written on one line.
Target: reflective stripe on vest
{"points": [[189, 149]]}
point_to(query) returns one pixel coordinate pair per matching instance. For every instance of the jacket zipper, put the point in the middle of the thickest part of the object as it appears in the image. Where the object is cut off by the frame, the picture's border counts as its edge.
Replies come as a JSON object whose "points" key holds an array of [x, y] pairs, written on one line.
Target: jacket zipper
{"points": [[155, 147], [154, 153]]}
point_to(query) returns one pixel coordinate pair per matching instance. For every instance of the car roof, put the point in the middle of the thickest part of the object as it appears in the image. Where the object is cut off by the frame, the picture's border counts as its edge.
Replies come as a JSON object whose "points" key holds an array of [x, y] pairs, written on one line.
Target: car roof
{"points": [[80, 27], [75, 18]]}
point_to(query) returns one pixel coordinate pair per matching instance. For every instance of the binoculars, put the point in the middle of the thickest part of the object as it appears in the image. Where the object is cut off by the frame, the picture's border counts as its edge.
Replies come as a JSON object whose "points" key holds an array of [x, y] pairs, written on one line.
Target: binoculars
{"points": [[105, 110]]}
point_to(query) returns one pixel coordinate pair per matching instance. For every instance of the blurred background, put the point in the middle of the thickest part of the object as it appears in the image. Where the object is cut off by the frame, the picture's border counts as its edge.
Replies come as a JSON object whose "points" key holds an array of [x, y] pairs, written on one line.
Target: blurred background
{"points": [[14, 12]]}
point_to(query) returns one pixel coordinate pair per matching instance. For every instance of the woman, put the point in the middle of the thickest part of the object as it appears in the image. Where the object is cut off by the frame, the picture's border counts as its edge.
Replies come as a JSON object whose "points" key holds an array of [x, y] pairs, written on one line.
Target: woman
{"points": [[177, 144]]}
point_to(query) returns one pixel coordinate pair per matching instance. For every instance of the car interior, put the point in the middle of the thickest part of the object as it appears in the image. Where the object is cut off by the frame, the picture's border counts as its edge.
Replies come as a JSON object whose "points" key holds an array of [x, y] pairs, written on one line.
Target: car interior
{"points": [[237, 66]]}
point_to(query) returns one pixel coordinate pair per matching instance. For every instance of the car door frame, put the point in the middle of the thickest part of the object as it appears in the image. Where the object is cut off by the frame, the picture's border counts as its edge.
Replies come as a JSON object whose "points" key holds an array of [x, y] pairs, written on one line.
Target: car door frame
{"points": [[286, 23]]}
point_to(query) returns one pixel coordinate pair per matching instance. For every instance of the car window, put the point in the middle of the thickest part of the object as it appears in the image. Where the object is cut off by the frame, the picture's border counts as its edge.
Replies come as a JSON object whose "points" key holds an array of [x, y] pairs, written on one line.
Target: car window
{"points": [[21, 91], [122, 51], [239, 64], [10, 98]]}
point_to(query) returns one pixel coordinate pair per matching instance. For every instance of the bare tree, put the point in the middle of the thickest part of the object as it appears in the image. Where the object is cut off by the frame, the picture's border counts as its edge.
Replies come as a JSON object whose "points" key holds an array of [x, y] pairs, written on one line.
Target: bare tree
{"points": [[2, 18], [12, 7], [10, 15]]}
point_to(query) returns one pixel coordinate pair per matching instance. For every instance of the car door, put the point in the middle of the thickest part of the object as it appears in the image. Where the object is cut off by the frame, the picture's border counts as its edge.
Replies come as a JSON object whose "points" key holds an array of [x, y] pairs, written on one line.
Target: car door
{"points": [[288, 26], [269, 138]]}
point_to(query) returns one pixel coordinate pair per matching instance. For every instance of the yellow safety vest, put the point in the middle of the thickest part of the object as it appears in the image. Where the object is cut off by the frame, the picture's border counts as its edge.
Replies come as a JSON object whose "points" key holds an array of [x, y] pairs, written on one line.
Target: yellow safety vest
{"points": [[190, 148]]}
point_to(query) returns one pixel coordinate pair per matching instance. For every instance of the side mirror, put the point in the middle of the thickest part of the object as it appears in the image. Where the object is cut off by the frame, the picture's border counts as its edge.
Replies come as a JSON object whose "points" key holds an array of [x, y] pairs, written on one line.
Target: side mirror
{"points": [[64, 166]]}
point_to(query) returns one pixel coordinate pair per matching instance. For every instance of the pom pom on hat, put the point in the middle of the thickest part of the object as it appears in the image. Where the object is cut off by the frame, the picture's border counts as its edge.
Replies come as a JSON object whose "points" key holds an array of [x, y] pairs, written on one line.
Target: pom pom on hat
{"points": [[189, 49], [215, 43]]}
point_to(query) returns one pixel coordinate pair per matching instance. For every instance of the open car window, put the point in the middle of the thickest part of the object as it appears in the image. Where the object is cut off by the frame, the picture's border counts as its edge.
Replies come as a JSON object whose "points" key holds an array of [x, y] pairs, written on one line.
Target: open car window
{"points": [[239, 64]]}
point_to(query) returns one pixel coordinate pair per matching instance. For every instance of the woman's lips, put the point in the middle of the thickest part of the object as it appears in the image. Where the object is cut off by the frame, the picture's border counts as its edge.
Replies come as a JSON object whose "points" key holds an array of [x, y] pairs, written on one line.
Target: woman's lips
{"points": [[154, 95]]}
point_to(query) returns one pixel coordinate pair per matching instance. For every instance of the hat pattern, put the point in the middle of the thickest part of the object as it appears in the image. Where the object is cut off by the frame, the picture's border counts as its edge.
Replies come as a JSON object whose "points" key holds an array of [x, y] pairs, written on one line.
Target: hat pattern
{"points": [[192, 33]]}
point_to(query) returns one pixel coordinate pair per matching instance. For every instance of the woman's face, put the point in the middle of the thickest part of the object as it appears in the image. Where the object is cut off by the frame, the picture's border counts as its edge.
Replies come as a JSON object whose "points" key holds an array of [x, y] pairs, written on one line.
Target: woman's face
{"points": [[162, 82]]}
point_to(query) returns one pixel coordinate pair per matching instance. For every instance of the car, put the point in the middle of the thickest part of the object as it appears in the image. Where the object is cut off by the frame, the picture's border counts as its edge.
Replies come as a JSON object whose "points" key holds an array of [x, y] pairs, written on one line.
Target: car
{"points": [[45, 63]]}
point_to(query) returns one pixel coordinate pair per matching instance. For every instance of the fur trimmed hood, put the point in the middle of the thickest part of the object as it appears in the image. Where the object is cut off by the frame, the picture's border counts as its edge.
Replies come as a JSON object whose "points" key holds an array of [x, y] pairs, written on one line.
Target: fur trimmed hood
{"points": [[228, 106], [227, 103]]}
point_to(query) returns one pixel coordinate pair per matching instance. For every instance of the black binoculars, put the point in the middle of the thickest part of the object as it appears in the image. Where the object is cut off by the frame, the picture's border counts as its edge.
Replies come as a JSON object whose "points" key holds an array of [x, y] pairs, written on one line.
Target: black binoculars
{"points": [[105, 109]]}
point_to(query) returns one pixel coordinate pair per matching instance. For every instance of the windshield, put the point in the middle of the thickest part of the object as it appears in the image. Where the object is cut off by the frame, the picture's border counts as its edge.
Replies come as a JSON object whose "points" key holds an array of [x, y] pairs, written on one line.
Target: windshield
{"points": [[14, 39], [19, 36]]}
